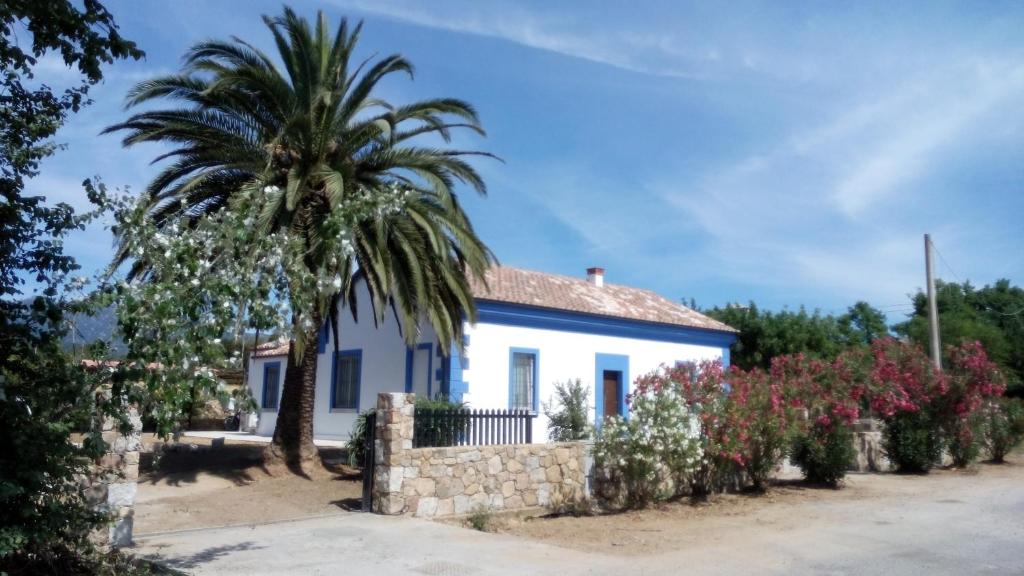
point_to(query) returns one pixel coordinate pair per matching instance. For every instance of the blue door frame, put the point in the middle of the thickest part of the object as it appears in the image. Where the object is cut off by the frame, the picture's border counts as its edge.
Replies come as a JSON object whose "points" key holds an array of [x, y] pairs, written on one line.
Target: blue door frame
{"points": [[614, 362]]}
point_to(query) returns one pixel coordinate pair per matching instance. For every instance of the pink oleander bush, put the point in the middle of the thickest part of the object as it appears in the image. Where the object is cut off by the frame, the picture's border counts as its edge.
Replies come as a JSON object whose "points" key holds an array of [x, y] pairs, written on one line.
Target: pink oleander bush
{"points": [[821, 443], [907, 392], [759, 418], [700, 428], [1003, 426], [974, 383]]}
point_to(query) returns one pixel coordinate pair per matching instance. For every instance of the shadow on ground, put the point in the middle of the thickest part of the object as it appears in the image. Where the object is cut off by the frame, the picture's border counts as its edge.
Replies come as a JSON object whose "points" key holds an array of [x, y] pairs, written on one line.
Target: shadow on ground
{"points": [[204, 556], [239, 463]]}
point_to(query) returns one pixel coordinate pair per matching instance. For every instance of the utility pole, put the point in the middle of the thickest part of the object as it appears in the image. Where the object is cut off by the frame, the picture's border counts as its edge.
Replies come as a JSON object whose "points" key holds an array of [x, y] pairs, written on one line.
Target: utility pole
{"points": [[933, 308]]}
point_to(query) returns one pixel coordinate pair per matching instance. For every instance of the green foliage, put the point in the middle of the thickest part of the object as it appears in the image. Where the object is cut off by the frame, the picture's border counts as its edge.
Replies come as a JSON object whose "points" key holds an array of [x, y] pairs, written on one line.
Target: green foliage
{"points": [[992, 315], [439, 421], [45, 395], [823, 453], [480, 518], [357, 439], [862, 324], [567, 415], [1003, 427], [912, 441], [438, 402], [765, 335]]}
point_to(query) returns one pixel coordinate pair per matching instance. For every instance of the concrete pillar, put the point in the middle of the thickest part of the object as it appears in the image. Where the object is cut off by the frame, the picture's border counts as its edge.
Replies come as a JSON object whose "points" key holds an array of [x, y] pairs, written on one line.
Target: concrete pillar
{"points": [[392, 437]]}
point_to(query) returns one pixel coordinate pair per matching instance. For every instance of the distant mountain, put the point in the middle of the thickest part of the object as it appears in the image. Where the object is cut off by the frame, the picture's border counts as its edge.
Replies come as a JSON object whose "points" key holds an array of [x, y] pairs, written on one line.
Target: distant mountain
{"points": [[85, 329]]}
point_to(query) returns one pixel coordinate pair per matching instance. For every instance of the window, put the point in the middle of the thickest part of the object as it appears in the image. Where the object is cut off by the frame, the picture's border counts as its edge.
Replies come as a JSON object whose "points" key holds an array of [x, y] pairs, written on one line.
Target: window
{"points": [[347, 372], [522, 394], [271, 385]]}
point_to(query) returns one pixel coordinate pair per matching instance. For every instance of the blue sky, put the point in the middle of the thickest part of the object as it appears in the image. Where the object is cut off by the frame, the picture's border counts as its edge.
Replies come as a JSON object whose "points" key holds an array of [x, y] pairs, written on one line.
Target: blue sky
{"points": [[780, 152]]}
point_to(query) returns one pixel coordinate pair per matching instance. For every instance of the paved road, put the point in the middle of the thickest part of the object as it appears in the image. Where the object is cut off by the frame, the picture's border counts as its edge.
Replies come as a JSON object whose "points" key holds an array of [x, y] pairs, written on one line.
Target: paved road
{"points": [[957, 525]]}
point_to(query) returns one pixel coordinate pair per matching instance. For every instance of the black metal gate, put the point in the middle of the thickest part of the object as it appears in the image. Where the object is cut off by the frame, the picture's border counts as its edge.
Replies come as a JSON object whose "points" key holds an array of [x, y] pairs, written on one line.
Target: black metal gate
{"points": [[369, 458]]}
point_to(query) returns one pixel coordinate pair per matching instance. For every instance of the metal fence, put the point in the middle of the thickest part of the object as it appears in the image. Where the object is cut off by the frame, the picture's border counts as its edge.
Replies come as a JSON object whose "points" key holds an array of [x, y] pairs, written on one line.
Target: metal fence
{"points": [[448, 427]]}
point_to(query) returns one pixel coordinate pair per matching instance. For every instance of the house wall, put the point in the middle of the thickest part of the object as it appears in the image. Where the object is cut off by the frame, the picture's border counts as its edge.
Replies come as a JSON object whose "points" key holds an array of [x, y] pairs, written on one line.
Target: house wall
{"points": [[562, 357], [383, 368], [569, 347]]}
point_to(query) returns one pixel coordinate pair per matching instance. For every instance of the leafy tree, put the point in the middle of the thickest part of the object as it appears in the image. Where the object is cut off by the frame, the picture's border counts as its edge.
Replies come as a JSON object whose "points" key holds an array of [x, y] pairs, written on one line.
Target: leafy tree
{"points": [[765, 334], [300, 143], [45, 517], [992, 315], [862, 324]]}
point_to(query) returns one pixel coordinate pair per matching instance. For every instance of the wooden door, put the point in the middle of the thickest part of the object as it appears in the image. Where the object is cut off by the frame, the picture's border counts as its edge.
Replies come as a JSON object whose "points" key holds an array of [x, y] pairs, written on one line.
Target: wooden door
{"points": [[612, 379]]}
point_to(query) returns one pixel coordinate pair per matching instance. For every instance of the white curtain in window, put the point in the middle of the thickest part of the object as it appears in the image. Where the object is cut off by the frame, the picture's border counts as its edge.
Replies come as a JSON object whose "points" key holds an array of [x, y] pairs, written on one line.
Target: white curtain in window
{"points": [[522, 384]]}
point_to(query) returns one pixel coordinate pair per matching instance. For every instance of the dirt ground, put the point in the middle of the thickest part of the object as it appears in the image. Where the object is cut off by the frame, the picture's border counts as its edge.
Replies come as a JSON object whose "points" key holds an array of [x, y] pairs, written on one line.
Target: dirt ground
{"points": [[204, 487], [680, 525]]}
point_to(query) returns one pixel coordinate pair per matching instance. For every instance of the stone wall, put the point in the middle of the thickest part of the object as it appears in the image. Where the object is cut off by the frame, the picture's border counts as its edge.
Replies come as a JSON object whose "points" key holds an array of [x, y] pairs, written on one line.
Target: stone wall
{"points": [[114, 483], [433, 482], [867, 443]]}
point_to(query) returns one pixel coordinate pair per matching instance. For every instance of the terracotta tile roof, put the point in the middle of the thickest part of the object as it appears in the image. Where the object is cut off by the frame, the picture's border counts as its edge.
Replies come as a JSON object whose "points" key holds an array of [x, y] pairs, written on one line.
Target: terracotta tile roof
{"points": [[272, 348], [531, 288]]}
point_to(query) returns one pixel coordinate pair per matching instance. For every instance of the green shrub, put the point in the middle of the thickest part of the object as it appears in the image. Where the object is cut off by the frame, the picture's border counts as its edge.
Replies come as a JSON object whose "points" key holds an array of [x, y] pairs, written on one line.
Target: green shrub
{"points": [[912, 441], [962, 442], [443, 431], [357, 440], [567, 416], [823, 453], [480, 518], [1003, 427]]}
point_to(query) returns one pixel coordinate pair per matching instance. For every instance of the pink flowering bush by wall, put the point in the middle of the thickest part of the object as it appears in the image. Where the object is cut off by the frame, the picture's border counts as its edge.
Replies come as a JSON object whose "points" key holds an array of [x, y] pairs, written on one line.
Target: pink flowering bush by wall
{"points": [[974, 383]]}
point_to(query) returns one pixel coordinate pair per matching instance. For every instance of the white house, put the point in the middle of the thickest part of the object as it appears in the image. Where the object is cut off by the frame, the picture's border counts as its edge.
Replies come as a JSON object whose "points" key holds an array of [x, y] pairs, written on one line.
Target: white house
{"points": [[534, 330]]}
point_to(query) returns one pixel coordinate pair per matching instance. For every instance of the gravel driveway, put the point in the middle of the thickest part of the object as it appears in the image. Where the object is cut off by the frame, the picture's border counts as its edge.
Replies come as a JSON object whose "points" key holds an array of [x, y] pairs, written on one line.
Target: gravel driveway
{"points": [[945, 523]]}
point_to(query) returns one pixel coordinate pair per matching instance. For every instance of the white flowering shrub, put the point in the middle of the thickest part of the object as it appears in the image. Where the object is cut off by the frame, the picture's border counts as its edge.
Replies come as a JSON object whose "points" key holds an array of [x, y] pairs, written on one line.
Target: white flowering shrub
{"points": [[199, 280], [651, 455]]}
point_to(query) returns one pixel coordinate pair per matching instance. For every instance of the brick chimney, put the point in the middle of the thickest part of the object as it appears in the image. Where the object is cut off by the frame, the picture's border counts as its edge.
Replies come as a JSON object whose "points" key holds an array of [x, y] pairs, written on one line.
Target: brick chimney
{"points": [[595, 276]]}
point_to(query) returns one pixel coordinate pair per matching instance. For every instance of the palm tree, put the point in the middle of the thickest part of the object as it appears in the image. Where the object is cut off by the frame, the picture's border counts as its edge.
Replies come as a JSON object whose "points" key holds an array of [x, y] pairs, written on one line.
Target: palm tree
{"points": [[311, 138]]}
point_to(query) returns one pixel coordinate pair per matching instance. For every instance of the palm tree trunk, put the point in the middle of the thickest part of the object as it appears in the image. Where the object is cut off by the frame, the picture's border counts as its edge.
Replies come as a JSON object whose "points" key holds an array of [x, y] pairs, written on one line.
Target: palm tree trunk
{"points": [[292, 446]]}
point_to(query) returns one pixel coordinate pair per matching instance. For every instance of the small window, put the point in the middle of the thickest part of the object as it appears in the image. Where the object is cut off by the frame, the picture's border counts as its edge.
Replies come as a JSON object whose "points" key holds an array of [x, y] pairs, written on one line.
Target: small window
{"points": [[347, 371], [523, 380], [271, 385]]}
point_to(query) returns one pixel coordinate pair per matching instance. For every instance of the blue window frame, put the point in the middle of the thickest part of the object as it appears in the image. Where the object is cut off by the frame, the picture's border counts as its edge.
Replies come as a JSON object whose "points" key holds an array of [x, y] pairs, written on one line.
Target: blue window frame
{"points": [[271, 385], [346, 376], [523, 368]]}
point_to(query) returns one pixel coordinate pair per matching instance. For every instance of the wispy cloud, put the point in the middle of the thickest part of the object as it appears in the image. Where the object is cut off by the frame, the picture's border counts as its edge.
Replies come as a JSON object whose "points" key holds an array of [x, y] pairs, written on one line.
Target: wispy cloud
{"points": [[626, 50], [832, 206]]}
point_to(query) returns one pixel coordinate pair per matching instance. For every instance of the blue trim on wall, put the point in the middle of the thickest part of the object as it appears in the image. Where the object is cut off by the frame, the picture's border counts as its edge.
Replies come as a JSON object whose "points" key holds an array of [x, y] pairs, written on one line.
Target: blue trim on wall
{"points": [[532, 317], [408, 369], [355, 353], [455, 386], [263, 397], [725, 357], [409, 351], [536, 372], [613, 362]]}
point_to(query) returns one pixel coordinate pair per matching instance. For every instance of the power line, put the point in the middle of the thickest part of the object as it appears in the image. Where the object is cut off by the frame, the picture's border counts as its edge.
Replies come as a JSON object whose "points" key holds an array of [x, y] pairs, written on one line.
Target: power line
{"points": [[943, 258]]}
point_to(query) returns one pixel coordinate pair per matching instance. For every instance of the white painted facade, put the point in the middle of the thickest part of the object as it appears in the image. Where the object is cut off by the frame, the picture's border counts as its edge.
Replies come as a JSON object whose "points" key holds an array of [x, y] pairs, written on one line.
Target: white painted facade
{"points": [[562, 356], [563, 353]]}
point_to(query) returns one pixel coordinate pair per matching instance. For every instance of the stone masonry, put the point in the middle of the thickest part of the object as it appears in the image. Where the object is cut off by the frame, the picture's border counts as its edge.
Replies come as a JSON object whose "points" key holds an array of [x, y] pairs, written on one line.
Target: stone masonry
{"points": [[435, 482], [867, 443], [114, 482]]}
